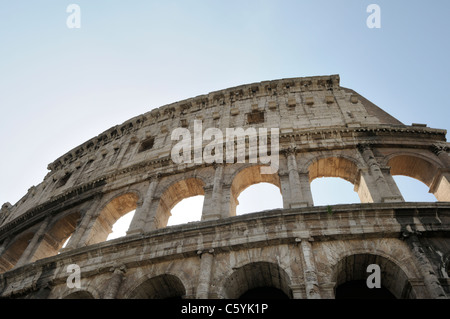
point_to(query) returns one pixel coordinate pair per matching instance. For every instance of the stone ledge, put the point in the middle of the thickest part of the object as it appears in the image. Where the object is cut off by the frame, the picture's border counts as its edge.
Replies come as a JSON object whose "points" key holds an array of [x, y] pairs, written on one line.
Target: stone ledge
{"points": [[300, 218]]}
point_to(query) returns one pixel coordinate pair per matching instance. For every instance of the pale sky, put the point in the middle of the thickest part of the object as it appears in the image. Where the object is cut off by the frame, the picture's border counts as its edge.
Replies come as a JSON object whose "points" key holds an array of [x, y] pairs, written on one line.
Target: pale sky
{"points": [[60, 87]]}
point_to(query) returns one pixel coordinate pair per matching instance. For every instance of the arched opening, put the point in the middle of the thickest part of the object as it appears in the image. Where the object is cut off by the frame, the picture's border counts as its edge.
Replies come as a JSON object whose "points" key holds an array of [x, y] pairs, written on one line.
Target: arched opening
{"points": [[333, 181], [121, 226], [248, 177], [259, 197], [187, 210], [351, 279], [173, 195], [55, 238], [357, 289], [65, 243], [260, 279], [109, 215], [413, 190], [420, 169], [12, 254], [333, 191], [160, 287], [79, 295]]}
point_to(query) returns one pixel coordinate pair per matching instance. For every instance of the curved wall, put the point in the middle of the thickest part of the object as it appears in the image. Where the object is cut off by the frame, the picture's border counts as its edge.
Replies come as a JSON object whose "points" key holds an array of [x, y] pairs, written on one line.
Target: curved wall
{"points": [[325, 130]]}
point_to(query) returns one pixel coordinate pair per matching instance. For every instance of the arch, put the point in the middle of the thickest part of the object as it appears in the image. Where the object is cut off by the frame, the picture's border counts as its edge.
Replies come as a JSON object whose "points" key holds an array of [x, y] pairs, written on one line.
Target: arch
{"points": [[413, 190], [256, 275], [164, 286], [55, 237], [424, 169], [415, 166], [175, 193], [353, 268], [334, 166], [12, 254], [246, 177], [178, 214], [323, 191], [259, 197], [109, 214]]}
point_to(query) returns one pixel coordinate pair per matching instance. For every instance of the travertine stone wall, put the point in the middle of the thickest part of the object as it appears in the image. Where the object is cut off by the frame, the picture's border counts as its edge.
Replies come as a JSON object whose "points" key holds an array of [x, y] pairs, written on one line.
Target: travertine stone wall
{"points": [[304, 251]]}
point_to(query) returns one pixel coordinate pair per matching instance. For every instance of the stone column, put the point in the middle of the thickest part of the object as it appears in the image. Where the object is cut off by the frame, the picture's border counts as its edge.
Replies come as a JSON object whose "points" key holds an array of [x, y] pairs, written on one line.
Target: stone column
{"points": [[211, 206], [441, 184], [79, 236], [285, 189], [309, 269], [114, 283], [34, 244], [227, 202], [366, 194], [137, 225], [204, 276], [392, 184], [298, 198], [430, 279], [306, 188], [153, 221], [379, 184]]}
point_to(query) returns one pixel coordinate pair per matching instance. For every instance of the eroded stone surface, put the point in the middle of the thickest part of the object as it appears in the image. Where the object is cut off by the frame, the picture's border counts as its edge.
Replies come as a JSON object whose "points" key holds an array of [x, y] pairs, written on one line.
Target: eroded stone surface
{"points": [[302, 250]]}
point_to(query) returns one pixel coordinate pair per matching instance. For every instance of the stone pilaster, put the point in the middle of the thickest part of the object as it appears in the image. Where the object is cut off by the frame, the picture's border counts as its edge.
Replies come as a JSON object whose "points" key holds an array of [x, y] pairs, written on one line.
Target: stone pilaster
{"points": [[441, 184], [309, 269], [80, 235], [34, 244], [300, 192], [137, 225], [211, 207], [430, 279], [114, 283], [395, 191], [377, 185], [204, 276]]}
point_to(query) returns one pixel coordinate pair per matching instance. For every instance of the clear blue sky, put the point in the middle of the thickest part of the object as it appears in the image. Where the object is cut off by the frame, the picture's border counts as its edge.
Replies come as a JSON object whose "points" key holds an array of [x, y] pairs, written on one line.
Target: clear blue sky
{"points": [[60, 87]]}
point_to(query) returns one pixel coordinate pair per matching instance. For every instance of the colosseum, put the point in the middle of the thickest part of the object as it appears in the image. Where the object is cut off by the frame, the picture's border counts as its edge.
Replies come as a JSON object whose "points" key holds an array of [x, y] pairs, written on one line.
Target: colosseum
{"points": [[300, 251]]}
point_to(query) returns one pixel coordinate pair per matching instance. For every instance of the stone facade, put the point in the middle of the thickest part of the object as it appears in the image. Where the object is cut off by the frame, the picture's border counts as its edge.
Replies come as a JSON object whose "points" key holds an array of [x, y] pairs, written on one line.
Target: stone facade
{"points": [[302, 250]]}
